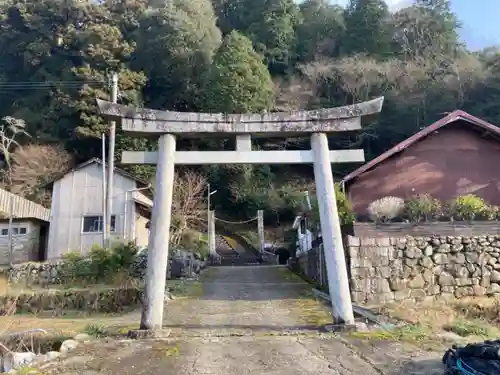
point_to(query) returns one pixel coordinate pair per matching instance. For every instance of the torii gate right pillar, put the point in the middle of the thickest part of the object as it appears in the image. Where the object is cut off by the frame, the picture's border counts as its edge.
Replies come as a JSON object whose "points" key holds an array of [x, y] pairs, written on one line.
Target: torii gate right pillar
{"points": [[336, 268]]}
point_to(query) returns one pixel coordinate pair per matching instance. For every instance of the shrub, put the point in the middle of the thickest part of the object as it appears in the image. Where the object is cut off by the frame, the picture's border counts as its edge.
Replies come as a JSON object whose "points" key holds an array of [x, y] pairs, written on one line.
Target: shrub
{"points": [[491, 213], [124, 254], [468, 207], [386, 209], [203, 248], [102, 264], [344, 208], [422, 207], [74, 267]]}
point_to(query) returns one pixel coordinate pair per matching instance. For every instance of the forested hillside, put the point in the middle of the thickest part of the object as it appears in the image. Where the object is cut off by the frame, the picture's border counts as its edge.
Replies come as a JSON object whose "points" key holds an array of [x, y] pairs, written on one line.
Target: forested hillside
{"points": [[227, 56]]}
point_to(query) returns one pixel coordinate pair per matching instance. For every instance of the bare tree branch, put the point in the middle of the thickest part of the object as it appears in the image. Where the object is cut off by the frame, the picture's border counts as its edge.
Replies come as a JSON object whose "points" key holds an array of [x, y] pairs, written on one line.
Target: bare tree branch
{"points": [[189, 210], [35, 165]]}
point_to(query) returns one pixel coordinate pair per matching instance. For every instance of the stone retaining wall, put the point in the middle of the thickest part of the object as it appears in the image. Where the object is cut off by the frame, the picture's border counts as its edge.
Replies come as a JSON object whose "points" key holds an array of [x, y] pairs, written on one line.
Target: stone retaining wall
{"points": [[111, 300], [395, 269], [35, 273], [387, 269]]}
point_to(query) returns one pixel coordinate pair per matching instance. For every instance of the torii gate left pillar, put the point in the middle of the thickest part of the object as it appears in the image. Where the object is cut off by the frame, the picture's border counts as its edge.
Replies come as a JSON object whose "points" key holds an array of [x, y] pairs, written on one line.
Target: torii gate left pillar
{"points": [[170, 125]]}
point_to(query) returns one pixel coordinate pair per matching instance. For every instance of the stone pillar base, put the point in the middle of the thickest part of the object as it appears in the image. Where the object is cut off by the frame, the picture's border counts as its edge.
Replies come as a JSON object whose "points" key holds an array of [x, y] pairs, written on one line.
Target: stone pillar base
{"points": [[356, 327], [138, 334]]}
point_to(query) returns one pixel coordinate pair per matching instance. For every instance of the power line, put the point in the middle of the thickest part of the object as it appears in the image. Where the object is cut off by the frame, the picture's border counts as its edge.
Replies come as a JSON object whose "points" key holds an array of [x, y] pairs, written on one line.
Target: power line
{"points": [[48, 84]]}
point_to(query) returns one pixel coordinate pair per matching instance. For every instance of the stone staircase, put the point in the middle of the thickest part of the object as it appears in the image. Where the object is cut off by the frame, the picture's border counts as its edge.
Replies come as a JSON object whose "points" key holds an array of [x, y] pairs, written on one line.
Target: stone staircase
{"points": [[230, 257]]}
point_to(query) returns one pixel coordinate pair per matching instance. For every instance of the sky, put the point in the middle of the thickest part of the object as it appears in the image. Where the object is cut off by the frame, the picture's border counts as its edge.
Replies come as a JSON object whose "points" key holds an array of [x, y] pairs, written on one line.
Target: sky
{"points": [[480, 23]]}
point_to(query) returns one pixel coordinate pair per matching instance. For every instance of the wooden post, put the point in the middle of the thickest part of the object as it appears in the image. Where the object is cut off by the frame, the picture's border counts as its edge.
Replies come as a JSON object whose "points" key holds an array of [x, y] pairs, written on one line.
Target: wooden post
{"points": [[211, 233]]}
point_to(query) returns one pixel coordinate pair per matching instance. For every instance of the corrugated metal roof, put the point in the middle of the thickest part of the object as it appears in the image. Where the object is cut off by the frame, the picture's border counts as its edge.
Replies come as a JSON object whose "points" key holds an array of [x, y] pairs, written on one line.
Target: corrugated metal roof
{"points": [[22, 208]]}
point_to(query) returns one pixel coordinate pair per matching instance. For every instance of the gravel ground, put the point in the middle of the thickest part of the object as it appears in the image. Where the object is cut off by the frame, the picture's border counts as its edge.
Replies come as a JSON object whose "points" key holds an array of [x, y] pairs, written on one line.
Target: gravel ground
{"points": [[249, 320]]}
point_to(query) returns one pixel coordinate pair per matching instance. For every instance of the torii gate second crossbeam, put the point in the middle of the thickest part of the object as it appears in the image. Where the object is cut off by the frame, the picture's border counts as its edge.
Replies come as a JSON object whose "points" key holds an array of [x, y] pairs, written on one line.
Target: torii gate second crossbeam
{"points": [[171, 125]]}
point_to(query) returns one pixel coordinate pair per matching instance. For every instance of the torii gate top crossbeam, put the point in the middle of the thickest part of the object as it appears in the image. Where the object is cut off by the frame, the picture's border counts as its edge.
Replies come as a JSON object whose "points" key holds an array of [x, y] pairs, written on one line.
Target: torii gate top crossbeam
{"points": [[145, 121]]}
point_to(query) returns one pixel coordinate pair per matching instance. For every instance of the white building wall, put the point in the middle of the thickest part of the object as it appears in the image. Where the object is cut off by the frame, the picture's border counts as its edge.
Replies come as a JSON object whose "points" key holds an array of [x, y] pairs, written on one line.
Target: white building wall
{"points": [[141, 232], [304, 241], [305, 236], [79, 194]]}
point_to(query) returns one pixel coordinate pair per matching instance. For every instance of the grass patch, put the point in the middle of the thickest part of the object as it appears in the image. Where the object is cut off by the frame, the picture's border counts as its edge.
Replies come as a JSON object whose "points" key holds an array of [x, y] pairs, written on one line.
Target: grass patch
{"points": [[168, 351], [185, 289], [28, 370], [68, 323], [407, 333], [470, 318], [481, 308], [96, 330], [313, 312], [68, 326], [289, 276], [208, 274], [467, 328]]}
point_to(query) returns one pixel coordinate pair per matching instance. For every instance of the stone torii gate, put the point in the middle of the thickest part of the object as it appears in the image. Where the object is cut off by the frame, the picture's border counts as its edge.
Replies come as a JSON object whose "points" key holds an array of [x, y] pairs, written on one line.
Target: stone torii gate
{"points": [[171, 125]]}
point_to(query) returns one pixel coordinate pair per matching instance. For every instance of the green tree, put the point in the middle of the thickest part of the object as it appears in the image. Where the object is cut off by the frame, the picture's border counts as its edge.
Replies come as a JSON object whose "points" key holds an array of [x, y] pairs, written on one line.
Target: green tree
{"points": [[57, 56], [175, 46], [321, 32], [238, 81], [367, 28], [75, 44], [270, 24], [426, 30], [274, 34]]}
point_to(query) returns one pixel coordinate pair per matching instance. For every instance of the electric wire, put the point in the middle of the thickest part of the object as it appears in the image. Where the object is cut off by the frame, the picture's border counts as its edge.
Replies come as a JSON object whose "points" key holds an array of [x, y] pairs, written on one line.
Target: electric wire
{"points": [[27, 85]]}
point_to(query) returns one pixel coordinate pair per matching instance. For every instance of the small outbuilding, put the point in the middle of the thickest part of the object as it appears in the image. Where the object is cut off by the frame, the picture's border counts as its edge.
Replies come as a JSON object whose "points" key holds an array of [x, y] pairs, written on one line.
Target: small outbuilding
{"points": [[76, 214]]}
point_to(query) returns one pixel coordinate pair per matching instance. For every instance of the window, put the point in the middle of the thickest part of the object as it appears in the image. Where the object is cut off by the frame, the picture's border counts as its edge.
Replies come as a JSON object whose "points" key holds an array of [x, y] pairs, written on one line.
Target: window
{"points": [[15, 231], [93, 224]]}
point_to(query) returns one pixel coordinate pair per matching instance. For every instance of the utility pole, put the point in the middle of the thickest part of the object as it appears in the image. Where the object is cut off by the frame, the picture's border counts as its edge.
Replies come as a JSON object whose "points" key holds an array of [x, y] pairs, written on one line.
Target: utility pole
{"points": [[111, 160], [104, 196], [11, 244], [210, 223]]}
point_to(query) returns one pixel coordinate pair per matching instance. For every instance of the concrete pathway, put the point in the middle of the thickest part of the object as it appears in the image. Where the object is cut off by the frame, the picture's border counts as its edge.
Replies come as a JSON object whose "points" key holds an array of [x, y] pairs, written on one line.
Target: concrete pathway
{"points": [[250, 320]]}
